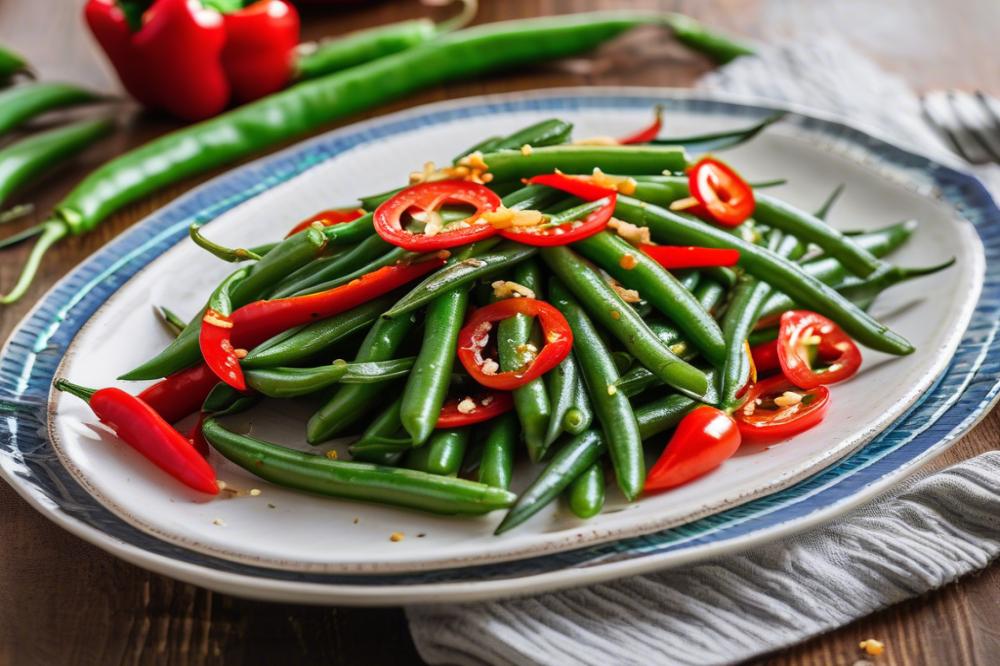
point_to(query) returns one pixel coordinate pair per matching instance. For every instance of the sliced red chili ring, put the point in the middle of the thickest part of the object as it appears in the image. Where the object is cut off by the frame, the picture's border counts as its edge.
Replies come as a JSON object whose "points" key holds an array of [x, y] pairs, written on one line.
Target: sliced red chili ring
{"points": [[721, 193], [578, 187], [215, 340], [685, 256], [327, 218], [469, 410], [648, 133], [801, 332], [429, 198], [566, 233], [775, 409], [475, 335]]}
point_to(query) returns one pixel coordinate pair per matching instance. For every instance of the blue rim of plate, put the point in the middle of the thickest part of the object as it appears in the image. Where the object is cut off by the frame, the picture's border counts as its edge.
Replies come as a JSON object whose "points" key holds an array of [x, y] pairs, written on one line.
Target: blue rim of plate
{"points": [[31, 356]]}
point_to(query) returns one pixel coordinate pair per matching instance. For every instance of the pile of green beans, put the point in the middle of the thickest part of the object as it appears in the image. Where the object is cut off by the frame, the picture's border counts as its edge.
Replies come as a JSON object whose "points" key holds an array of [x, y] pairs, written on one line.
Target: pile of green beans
{"points": [[635, 369]]}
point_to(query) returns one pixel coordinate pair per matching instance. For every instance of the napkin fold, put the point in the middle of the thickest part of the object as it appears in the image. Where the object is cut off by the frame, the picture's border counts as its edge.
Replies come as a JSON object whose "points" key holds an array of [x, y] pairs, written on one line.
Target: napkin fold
{"points": [[925, 533]]}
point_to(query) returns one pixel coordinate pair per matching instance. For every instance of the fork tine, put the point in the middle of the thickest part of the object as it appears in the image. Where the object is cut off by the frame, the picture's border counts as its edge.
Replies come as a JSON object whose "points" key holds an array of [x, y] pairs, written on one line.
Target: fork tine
{"points": [[972, 127], [944, 126]]}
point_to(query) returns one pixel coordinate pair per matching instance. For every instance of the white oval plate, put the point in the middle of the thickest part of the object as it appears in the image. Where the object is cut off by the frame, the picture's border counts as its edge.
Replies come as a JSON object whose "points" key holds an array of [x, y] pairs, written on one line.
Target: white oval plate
{"points": [[298, 536]]}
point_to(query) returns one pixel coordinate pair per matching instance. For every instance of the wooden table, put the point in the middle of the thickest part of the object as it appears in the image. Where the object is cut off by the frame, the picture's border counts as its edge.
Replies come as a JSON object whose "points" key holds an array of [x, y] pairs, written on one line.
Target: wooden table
{"points": [[64, 601]]}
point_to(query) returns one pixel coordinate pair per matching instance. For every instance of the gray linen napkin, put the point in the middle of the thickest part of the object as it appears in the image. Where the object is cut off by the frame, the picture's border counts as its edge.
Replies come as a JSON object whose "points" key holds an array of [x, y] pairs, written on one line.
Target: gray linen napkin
{"points": [[922, 535]]}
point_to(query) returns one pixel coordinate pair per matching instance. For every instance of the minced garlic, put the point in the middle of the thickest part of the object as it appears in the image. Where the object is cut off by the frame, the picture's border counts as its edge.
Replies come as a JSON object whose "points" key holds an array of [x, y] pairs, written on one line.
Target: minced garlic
{"points": [[787, 399], [508, 289], [466, 406], [635, 235], [872, 646]]}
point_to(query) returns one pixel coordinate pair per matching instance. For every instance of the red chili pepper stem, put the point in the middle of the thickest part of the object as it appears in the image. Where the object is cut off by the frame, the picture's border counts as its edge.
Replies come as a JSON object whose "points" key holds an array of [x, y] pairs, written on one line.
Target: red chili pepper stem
{"points": [[82, 392]]}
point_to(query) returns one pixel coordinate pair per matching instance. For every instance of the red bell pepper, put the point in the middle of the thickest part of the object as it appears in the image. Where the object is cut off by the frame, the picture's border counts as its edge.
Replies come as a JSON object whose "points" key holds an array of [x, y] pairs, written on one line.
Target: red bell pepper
{"points": [[256, 322], [191, 60]]}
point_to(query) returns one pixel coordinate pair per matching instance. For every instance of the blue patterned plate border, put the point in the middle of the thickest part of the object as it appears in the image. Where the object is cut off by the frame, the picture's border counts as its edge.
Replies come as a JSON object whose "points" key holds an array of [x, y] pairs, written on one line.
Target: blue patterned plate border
{"points": [[962, 395]]}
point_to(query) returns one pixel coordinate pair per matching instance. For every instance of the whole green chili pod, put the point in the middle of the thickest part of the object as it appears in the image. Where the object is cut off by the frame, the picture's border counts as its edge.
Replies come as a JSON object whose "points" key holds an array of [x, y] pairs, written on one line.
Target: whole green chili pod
{"points": [[12, 64], [20, 104], [585, 494], [23, 162], [353, 480], [442, 454], [292, 382]]}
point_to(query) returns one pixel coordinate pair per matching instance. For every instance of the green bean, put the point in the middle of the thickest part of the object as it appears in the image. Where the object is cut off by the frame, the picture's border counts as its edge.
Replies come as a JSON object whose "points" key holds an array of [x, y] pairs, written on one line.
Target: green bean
{"points": [[780, 273], [224, 399], [513, 335], [459, 274], [352, 480], [303, 343], [427, 385], [611, 407], [21, 103], [351, 402], [586, 493], [580, 416], [569, 462], [711, 142], [184, 351], [333, 267], [30, 158], [292, 382], [607, 307], [442, 454], [513, 164], [561, 385], [827, 206], [663, 291], [780, 215], [496, 467], [549, 132], [384, 441]]}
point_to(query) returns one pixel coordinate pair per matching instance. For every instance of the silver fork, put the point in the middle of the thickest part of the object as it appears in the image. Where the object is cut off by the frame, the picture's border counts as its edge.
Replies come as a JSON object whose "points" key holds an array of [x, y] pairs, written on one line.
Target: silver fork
{"points": [[970, 122]]}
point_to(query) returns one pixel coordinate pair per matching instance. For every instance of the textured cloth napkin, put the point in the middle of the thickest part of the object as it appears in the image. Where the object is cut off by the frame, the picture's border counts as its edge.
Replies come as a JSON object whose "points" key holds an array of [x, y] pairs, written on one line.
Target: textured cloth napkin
{"points": [[924, 534]]}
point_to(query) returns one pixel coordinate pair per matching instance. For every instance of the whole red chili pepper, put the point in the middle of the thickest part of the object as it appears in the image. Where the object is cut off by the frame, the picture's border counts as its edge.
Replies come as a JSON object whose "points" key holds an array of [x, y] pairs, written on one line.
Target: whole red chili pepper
{"points": [[180, 394], [139, 426], [648, 133], [191, 60], [703, 440], [256, 322]]}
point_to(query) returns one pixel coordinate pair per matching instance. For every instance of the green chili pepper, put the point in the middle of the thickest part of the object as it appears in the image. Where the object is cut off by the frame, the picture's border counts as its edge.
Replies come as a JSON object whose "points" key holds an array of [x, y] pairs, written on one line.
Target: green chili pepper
{"points": [[356, 48], [496, 466], [637, 271], [607, 307], [531, 402], [20, 104], [285, 258], [224, 399], [30, 158], [442, 454], [570, 461], [695, 36], [352, 402], [232, 255], [783, 274], [611, 407], [297, 345], [352, 480], [586, 493], [292, 382], [12, 64]]}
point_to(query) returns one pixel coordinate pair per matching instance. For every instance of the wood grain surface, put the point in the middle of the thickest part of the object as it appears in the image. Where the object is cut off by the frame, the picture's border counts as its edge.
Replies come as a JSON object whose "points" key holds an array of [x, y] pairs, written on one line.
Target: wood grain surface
{"points": [[63, 601]]}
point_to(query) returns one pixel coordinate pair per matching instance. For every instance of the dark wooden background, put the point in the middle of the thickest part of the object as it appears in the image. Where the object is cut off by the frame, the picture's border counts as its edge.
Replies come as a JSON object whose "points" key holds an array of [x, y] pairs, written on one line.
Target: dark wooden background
{"points": [[63, 601]]}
